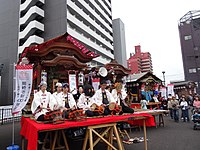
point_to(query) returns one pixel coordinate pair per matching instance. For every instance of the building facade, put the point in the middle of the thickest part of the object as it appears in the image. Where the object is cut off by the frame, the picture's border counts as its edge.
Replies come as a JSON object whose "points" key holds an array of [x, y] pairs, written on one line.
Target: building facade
{"points": [[9, 20], [189, 32], [140, 61], [119, 42], [30, 22], [90, 22]]}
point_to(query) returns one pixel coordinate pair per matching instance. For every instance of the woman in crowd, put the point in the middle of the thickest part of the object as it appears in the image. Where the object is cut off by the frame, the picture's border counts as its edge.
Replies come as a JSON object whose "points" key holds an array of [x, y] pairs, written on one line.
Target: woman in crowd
{"points": [[169, 105], [184, 107], [175, 108], [196, 102]]}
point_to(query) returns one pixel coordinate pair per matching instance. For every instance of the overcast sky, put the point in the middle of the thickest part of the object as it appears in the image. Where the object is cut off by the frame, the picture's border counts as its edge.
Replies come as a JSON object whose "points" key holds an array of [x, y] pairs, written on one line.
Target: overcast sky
{"points": [[154, 25]]}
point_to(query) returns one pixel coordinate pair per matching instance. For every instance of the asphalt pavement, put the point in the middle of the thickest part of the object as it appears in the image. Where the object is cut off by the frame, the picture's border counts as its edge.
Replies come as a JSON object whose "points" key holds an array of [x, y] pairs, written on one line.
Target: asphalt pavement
{"points": [[173, 136]]}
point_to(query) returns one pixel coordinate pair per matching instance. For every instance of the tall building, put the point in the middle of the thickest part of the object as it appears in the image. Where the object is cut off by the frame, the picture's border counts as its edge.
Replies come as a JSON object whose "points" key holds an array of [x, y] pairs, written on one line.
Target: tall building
{"points": [[189, 31], [140, 61], [9, 19], [29, 22], [119, 42], [88, 21]]}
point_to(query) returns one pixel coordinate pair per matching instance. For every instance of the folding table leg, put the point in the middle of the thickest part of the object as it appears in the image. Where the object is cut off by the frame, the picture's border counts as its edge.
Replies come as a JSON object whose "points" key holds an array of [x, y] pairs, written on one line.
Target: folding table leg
{"points": [[145, 134], [85, 140], [110, 138], [118, 138], [91, 139], [65, 140]]}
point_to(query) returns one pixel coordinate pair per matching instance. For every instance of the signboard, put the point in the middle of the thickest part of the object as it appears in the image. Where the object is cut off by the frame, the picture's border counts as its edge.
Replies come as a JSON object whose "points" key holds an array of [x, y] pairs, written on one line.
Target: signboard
{"points": [[23, 85]]}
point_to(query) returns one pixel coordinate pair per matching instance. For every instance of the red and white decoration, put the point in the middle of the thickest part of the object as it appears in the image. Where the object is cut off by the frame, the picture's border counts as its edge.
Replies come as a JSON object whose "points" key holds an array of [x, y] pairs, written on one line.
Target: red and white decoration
{"points": [[23, 85], [96, 83]]}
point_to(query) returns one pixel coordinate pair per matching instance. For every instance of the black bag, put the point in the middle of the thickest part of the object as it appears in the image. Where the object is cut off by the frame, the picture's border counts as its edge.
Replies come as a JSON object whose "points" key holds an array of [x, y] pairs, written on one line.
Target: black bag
{"points": [[76, 133]]}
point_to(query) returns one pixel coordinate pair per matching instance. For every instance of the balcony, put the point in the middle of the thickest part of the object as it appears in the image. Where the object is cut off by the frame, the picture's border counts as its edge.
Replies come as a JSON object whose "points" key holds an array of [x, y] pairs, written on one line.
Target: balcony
{"points": [[28, 3], [77, 10], [31, 14], [88, 42], [92, 12], [30, 29], [34, 39], [87, 30]]}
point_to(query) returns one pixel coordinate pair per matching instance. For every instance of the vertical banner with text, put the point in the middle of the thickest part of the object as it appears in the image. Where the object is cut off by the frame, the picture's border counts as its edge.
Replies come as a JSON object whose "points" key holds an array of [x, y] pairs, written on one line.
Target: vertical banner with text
{"points": [[170, 89], [23, 85], [72, 83]]}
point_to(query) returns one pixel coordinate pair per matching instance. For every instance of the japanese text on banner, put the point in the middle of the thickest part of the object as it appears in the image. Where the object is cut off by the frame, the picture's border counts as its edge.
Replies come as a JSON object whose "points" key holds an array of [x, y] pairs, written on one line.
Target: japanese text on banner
{"points": [[23, 85]]}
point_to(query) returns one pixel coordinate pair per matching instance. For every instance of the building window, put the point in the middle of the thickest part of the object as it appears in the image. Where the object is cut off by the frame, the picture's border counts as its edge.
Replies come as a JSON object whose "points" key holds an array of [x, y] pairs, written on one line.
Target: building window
{"points": [[193, 70], [187, 37], [196, 48], [0, 83], [197, 84]]}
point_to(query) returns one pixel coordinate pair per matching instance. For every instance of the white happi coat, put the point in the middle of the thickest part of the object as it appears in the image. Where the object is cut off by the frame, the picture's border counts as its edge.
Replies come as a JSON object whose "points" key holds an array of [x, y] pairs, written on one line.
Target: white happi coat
{"points": [[99, 99], [117, 96], [56, 101], [85, 102], [43, 99], [71, 101]]}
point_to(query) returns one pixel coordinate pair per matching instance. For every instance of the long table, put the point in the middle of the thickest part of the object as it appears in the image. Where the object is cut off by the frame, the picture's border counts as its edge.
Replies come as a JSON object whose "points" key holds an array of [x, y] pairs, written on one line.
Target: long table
{"points": [[31, 128]]}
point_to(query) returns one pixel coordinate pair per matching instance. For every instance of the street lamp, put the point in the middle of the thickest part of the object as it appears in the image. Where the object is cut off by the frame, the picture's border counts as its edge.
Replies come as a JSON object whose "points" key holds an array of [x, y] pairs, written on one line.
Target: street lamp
{"points": [[163, 72]]}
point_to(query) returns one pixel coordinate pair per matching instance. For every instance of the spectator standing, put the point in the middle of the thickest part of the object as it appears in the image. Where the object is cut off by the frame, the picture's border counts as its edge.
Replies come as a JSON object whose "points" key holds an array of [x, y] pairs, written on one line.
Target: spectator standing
{"points": [[184, 107], [169, 105], [175, 109]]}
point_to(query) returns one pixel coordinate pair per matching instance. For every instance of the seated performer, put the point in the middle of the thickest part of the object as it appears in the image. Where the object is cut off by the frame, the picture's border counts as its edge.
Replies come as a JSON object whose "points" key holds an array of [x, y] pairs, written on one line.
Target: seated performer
{"points": [[41, 102], [56, 96], [79, 92], [86, 100], [67, 101], [103, 97], [120, 95]]}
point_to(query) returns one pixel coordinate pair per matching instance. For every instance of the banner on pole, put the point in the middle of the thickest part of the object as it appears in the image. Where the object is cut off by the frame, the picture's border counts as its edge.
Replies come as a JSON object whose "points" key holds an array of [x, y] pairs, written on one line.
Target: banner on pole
{"points": [[23, 85], [170, 89], [96, 83], [163, 91], [72, 83]]}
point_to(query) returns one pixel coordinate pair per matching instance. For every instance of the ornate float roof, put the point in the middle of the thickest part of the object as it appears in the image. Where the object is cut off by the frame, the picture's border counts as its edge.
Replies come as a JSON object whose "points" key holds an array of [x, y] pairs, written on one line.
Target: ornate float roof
{"points": [[65, 47], [117, 68]]}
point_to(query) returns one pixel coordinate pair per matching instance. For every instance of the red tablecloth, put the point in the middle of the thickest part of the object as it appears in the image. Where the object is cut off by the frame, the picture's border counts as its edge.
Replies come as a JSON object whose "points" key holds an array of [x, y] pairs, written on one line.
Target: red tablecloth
{"points": [[30, 128]]}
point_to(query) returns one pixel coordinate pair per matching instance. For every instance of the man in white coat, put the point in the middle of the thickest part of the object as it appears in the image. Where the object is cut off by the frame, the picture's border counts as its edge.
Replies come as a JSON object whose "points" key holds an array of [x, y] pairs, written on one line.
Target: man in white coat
{"points": [[41, 102], [67, 101], [120, 95], [103, 97]]}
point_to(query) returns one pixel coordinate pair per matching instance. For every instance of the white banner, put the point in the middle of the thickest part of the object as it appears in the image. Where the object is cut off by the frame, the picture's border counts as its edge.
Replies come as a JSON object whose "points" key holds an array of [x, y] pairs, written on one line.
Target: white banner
{"points": [[163, 91], [23, 86], [96, 83], [170, 89], [72, 83]]}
